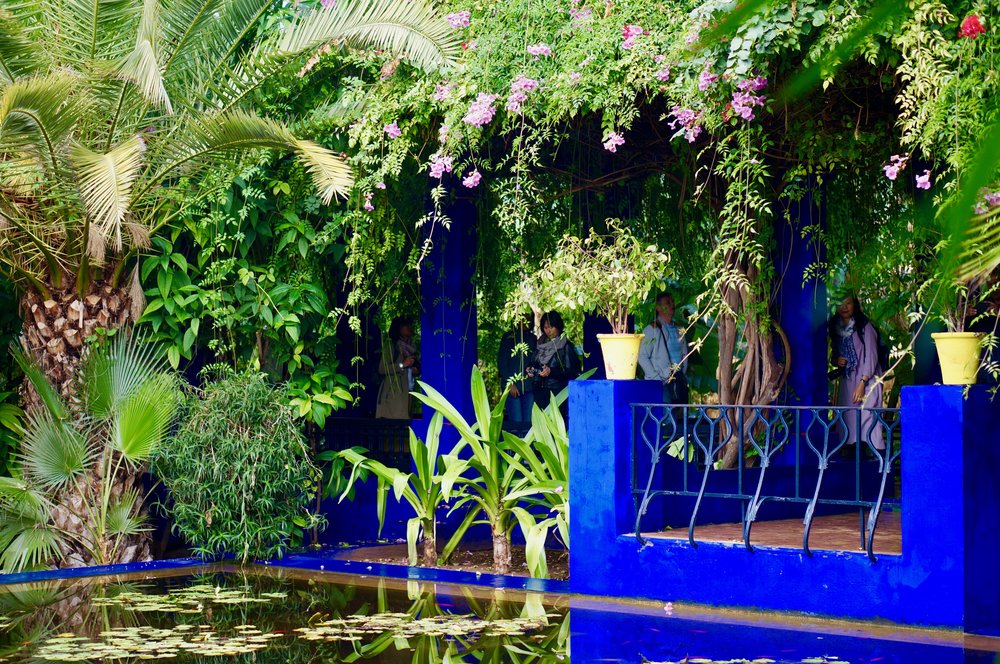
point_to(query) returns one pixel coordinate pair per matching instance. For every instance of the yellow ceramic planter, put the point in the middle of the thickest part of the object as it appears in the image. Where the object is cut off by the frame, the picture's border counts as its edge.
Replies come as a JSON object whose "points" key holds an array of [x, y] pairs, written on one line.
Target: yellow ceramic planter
{"points": [[621, 354], [959, 354]]}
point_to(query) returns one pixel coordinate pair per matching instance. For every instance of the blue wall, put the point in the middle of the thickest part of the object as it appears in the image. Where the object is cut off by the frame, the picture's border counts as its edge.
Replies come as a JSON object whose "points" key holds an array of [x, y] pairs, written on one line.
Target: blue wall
{"points": [[946, 575]]}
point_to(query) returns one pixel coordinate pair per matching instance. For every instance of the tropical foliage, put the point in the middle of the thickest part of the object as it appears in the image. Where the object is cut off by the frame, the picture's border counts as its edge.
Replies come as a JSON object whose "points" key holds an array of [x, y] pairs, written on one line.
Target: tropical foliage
{"points": [[238, 471], [79, 498]]}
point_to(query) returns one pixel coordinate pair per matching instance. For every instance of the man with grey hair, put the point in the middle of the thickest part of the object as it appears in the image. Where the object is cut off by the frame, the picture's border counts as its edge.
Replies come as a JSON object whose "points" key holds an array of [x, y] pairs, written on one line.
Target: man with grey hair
{"points": [[664, 350]]}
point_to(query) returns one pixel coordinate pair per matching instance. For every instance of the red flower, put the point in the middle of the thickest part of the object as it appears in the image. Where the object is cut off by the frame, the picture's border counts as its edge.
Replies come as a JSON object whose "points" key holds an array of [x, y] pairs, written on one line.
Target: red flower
{"points": [[971, 28]]}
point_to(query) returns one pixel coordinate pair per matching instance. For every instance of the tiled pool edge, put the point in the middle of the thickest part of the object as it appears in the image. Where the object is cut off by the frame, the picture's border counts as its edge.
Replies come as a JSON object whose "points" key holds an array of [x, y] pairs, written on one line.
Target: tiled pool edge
{"points": [[101, 570]]}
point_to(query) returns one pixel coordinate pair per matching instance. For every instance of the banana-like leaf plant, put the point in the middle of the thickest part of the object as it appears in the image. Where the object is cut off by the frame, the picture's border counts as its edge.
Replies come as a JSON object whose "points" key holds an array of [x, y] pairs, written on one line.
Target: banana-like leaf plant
{"points": [[108, 106], [425, 491], [78, 498]]}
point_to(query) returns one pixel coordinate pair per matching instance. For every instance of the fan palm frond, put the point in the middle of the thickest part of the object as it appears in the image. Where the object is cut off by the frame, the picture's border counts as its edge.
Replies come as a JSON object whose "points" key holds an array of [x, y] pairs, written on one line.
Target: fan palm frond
{"points": [[414, 30], [20, 500], [142, 64], [142, 422], [223, 133], [113, 373], [980, 253], [124, 517], [53, 453], [105, 182], [28, 545]]}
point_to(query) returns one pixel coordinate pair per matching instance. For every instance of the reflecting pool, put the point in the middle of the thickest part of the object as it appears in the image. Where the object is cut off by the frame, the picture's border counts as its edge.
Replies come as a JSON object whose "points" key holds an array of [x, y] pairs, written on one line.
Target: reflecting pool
{"points": [[261, 615]]}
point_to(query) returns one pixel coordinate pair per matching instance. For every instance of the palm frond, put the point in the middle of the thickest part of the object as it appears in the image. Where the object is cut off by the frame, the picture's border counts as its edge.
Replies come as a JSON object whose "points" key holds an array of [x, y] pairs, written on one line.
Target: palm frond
{"points": [[53, 453], [47, 393], [142, 64], [124, 518], [89, 31], [142, 423], [28, 545], [980, 253], [20, 500], [414, 30], [105, 182], [37, 113], [19, 54], [218, 135], [113, 373]]}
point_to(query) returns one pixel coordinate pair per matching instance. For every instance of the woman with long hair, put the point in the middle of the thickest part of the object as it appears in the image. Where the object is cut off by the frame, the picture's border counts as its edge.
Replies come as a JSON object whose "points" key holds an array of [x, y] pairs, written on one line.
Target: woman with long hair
{"points": [[854, 354], [399, 366]]}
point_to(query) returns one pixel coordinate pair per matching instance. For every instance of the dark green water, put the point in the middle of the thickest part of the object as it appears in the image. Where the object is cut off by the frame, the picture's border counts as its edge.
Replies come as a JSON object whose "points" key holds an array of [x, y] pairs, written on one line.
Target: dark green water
{"points": [[264, 616]]}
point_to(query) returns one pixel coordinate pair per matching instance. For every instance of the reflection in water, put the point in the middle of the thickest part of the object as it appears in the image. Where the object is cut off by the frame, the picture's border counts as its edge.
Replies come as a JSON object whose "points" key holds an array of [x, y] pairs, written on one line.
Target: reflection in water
{"points": [[263, 616]]}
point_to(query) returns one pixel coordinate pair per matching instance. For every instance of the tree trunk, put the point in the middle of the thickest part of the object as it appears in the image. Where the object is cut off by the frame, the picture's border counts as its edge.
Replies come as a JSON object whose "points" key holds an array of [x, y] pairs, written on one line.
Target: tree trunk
{"points": [[55, 331], [501, 550], [428, 558]]}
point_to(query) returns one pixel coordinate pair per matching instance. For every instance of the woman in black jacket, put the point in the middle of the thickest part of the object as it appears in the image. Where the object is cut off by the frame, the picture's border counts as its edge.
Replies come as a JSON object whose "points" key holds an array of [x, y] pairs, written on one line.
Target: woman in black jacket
{"points": [[555, 362]]}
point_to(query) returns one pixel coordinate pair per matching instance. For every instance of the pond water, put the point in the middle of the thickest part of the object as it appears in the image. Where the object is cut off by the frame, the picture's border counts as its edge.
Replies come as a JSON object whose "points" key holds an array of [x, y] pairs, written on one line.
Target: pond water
{"points": [[264, 615]]}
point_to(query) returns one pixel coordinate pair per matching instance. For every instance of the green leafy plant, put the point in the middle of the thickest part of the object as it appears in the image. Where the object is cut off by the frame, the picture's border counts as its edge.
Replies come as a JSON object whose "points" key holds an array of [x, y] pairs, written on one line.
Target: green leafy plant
{"points": [[238, 472], [611, 274], [78, 498], [425, 491]]}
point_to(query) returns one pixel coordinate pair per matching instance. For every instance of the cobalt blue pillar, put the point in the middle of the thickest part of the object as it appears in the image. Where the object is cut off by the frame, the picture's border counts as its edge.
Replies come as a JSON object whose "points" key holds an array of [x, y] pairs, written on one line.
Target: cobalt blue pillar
{"points": [[951, 497], [600, 468], [800, 299], [448, 331]]}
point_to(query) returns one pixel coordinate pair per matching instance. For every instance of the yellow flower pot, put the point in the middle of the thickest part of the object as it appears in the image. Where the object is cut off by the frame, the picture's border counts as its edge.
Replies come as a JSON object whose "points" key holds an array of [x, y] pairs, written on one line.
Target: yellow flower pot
{"points": [[959, 354], [621, 354]]}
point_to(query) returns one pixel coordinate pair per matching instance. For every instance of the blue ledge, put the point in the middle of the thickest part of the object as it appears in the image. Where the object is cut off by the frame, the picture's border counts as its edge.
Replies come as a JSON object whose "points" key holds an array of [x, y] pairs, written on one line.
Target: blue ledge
{"points": [[102, 570], [329, 562]]}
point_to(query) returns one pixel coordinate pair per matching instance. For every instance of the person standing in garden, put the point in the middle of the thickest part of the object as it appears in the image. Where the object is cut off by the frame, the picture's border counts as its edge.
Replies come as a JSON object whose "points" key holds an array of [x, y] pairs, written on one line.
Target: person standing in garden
{"points": [[555, 362], [399, 367], [517, 347], [664, 351], [854, 352]]}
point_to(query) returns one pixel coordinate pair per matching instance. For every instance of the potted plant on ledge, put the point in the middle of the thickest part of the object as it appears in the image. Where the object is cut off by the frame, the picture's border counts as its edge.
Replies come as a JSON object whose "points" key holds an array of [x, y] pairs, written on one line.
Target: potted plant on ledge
{"points": [[959, 352], [611, 275]]}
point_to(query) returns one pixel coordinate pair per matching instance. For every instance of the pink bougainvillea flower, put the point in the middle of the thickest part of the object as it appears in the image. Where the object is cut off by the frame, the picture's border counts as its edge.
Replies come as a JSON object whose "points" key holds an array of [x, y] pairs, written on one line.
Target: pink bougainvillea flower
{"points": [[992, 199], [613, 140], [472, 179], [368, 202], [629, 34], [692, 37], [706, 80], [924, 180], [897, 162], [753, 84], [443, 133], [580, 15], [328, 3], [442, 91], [440, 165], [519, 90], [392, 130], [458, 19], [480, 111], [540, 49], [744, 100], [663, 74], [574, 77], [470, 45], [380, 185], [971, 28], [686, 122]]}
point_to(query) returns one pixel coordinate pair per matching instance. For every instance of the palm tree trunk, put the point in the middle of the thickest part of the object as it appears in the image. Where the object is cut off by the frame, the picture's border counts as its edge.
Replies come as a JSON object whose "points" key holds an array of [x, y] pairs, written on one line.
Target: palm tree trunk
{"points": [[501, 550], [55, 329], [428, 557], [54, 333]]}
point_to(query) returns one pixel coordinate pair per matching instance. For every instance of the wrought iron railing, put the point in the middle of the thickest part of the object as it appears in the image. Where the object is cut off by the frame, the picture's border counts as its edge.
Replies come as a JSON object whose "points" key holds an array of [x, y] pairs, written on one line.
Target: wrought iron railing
{"points": [[799, 438], [387, 441]]}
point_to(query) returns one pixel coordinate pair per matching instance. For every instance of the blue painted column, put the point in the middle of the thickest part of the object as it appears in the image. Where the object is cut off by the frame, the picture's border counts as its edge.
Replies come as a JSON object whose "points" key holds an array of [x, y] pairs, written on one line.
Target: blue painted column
{"points": [[448, 330], [951, 497], [800, 300]]}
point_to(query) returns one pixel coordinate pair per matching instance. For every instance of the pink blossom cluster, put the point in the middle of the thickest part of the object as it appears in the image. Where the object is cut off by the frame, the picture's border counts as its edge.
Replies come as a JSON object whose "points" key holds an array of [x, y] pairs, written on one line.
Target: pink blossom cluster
{"points": [[897, 162], [924, 180], [440, 165], [990, 199], [629, 35], [744, 100], [574, 77], [519, 90], [480, 111], [368, 201], [613, 140], [687, 119], [443, 133], [540, 49], [442, 91], [328, 3], [472, 179], [706, 79], [692, 36], [663, 74], [753, 84], [392, 130], [458, 19], [380, 185], [580, 15]]}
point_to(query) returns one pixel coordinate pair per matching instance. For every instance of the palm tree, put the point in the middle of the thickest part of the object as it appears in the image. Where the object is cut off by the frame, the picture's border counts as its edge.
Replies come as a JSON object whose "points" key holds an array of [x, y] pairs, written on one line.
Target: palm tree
{"points": [[104, 104], [78, 499]]}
